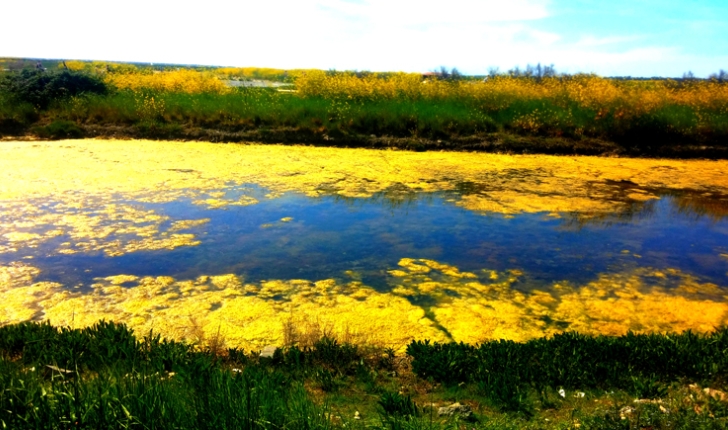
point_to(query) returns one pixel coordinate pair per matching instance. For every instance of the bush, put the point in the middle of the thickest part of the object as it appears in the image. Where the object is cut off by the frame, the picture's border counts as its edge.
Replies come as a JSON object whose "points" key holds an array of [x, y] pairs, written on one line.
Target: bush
{"points": [[41, 88], [60, 130], [642, 363]]}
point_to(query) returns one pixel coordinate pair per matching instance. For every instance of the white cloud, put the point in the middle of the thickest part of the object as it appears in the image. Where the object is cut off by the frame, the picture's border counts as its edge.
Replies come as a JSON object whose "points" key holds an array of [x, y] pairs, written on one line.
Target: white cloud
{"points": [[409, 35], [364, 34]]}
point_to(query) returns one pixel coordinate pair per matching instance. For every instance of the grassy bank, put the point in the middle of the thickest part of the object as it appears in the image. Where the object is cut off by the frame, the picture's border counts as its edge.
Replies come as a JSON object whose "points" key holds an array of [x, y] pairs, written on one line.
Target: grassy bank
{"points": [[105, 377], [579, 114]]}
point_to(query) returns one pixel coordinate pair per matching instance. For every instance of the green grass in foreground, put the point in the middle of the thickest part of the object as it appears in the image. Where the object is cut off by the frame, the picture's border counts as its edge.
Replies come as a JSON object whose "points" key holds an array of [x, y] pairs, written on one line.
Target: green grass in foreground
{"points": [[104, 377]]}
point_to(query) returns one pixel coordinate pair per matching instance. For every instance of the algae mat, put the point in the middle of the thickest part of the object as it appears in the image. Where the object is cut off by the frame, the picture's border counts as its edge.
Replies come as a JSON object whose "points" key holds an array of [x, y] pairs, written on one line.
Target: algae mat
{"points": [[266, 244]]}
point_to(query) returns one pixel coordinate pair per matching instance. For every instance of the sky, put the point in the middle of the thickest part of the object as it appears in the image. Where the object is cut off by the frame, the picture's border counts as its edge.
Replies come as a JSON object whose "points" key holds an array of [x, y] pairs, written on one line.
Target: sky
{"points": [[606, 37]]}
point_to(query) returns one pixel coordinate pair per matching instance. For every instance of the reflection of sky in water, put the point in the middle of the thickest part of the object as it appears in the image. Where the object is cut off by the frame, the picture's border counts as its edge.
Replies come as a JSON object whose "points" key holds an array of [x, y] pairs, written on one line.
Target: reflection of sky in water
{"points": [[329, 235]]}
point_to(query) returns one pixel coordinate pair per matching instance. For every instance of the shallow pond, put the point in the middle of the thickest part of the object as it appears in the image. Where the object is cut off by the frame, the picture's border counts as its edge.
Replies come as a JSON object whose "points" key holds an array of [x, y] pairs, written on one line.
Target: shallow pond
{"points": [[255, 245]]}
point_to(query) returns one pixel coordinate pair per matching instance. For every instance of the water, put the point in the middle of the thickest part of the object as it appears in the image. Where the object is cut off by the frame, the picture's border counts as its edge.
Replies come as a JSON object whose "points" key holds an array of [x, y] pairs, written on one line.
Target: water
{"points": [[330, 235], [268, 244]]}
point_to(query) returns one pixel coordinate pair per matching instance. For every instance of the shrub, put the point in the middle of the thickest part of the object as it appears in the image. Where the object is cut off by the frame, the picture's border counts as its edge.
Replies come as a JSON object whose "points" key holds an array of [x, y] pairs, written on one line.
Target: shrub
{"points": [[41, 88], [641, 363], [395, 404], [60, 130]]}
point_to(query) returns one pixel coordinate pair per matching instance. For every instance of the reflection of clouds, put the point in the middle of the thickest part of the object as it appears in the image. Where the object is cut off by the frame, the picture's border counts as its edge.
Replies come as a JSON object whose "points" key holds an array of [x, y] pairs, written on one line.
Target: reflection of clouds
{"points": [[427, 300]]}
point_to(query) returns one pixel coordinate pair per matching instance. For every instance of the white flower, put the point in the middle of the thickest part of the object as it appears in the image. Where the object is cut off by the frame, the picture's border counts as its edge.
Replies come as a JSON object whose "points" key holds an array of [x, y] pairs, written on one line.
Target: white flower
{"points": [[562, 393]]}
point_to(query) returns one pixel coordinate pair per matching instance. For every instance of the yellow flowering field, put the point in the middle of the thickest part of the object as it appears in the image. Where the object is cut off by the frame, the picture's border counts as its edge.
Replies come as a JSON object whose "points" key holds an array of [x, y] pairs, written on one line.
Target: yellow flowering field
{"points": [[624, 98]]}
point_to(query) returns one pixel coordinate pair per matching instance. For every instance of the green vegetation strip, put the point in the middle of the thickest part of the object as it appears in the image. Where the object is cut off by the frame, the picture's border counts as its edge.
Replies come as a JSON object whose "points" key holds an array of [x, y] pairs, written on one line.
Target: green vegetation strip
{"points": [[105, 377], [67, 104], [641, 364]]}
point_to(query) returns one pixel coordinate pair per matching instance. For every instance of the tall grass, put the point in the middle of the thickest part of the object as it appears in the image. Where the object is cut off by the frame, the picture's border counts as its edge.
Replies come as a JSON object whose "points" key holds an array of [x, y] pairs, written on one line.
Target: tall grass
{"points": [[644, 365], [106, 377], [344, 108], [103, 377]]}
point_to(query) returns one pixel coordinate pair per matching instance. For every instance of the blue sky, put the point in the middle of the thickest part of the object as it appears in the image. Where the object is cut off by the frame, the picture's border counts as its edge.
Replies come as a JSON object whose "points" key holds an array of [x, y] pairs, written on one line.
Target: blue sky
{"points": [[614, 37]]}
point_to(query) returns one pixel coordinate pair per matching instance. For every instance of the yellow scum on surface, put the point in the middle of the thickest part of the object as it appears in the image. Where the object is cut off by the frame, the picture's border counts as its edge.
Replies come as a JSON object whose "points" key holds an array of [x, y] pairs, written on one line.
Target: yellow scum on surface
{"points": [[86, 177], [91, 225], [244, 315], [641, 300], [461, 306], [165, 171]]}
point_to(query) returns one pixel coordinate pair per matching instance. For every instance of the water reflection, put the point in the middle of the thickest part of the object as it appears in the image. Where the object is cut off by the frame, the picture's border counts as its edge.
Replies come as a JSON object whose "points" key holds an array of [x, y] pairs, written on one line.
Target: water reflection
{"points": [[694, 206], [295, 236]]}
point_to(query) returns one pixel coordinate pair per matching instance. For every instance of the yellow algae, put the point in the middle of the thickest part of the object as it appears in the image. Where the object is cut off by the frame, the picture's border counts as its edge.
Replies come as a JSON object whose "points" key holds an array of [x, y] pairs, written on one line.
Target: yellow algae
{"points": [[641, 197], [412, 266], [378, 319], [473, 322], [187, 224], [93, 225], [20, 295], [17, 236], [428, 287], [474, 311], [214, 202], [492, 274], [421, 266], [116, 248], [138, 167], [245, 201], [398, 273], [223, 282], [83, 206], [513, 202], [16, 274], [251, 315], [25, 303], [618, 303], [120, 279], [404, 291], [219, 305]]}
